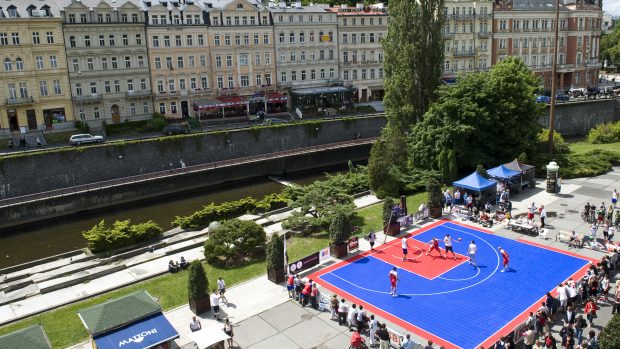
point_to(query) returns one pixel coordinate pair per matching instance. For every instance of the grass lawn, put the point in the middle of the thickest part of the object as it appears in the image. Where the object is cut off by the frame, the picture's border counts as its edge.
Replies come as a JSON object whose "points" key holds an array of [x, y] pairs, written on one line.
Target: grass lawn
{"points": [[584, 147], [64, 328]]}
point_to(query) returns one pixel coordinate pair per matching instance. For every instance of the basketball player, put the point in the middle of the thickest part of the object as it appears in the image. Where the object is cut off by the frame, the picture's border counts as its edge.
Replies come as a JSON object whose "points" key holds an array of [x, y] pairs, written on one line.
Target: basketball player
{"points": [[393, 275], [471, 251], [434, 245], [506, 259], [405, 247], [447, 241]]}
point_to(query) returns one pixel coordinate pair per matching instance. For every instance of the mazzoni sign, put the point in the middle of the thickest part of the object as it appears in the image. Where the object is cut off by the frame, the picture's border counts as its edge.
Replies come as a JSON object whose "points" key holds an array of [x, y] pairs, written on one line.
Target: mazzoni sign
{"points": [[304, 263], [138, 338]]}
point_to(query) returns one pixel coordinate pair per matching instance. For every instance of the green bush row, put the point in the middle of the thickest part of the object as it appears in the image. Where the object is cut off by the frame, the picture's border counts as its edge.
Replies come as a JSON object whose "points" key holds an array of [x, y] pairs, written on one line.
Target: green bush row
{"points": [[157, 123], [590, 164], [121, 234], [605, 133], [229, 210]]}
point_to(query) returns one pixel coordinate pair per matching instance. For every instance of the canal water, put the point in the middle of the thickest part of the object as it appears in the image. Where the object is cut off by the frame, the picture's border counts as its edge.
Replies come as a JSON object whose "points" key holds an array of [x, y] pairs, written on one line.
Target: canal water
{"points": [[23, 244]]}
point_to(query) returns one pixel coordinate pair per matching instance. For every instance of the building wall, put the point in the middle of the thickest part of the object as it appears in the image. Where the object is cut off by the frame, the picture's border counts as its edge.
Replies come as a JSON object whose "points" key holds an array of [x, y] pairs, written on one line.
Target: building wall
{"points": [[34, 84], [107, 60], [179, 60]]}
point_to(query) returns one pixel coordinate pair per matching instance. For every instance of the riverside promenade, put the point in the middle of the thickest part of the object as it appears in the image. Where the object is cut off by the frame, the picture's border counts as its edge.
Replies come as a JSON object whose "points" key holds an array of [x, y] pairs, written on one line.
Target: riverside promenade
{"points": [[264, 317]]}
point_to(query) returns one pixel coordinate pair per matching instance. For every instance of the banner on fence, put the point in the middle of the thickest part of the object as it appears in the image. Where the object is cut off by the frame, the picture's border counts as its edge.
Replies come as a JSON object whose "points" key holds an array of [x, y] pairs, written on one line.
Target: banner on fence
{"points": [[304, 263], [354, 243], [517, 334], [395, 337], [324, 254], [420, 215]]}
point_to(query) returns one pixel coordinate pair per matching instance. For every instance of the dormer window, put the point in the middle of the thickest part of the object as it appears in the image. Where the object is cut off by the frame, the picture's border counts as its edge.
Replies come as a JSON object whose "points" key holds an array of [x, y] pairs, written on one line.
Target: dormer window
{"points": [[30, 8], [176, 19], [82, 17], [240, 6], [12, 10], [72, 18]]}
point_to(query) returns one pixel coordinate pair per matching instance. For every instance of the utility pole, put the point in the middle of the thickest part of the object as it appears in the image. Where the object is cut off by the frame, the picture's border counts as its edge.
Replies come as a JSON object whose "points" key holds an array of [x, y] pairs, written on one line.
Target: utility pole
{"points": [[553, 77]]}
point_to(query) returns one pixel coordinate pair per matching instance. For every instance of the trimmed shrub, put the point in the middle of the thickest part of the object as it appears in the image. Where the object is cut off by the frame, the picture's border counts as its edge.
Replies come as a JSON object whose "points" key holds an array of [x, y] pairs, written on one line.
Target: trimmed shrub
{"points": [[592, 163], [559, 145], [605, 133], [197, 281], [388, 204], [121, 234], [340, 229], [610, 335], [433, 189], [275, 252], [234, 242]]}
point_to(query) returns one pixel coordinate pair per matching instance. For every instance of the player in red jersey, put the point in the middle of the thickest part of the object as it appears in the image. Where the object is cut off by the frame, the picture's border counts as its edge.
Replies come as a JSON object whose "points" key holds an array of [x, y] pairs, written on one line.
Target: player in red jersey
{"points": [[393, 275], [505, 257], [434, 245]]}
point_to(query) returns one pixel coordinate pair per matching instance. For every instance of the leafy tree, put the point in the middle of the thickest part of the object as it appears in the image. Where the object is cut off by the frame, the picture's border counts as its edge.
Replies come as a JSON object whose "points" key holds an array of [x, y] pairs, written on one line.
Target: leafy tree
{"points": [[340, 228], [387, 157], [388, 204], [197, 282], [610, 46], [235, 241], [610, 335], [413, 50], [485, 118], [433, 189], [275, 252], [482, 171]]}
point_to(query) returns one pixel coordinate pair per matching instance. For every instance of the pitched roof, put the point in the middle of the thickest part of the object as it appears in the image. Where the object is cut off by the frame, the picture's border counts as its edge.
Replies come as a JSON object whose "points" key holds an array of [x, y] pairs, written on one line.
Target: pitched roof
{"points": [[32, 337], [118, 312]]}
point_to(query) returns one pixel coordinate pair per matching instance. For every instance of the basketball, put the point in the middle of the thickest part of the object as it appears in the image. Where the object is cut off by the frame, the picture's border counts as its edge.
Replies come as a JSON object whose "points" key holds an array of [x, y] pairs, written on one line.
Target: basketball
{"points": [[460, 239]]}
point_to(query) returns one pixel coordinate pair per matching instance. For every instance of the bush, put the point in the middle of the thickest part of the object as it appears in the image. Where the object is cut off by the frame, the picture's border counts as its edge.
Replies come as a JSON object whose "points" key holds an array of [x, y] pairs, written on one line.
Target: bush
{"points": [[559, 145], [482, 171], [340, 229], [605, 133], [197, 282], [610, 335], [433, 189], [82, 126], [230, 209], [275, 252], [121, 234], [234, 242], [592, 163]]}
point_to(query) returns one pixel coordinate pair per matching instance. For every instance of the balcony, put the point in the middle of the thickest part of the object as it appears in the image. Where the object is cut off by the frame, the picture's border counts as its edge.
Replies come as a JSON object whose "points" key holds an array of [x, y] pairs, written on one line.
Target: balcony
{"points": [[138, 94], [93, 98], [19, 101], [484, 35], [463, 53]]}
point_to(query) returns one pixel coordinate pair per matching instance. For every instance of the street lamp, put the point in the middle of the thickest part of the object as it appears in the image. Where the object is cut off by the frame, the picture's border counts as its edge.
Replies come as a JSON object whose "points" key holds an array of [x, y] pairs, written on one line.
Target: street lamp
{"points": [[474, 33], [81, 96], [553, 77]]}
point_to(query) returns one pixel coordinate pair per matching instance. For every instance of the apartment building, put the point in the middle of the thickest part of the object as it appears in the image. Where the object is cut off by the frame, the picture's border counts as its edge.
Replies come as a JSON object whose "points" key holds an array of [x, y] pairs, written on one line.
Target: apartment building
{"points": [[241, 48], [467, 34], [526, 28], [34, 88], [306, 43], [360, 31], [107, 58], [179, 60]]}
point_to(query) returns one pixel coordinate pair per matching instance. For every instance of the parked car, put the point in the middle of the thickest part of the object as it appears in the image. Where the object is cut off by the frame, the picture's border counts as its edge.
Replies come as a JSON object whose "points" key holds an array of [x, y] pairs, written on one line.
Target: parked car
{"points": [[577, 92], [562, 97], [607, 91], [543, 99], [175, 129], [592, 92], [84, 138], [273, 121]]}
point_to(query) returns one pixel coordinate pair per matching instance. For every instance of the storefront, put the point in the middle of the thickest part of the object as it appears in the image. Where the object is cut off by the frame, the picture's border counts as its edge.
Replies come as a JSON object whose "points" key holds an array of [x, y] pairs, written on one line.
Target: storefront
{"points": [[32, 337], [321, 101], [54, 116], [131, 322], [223, 108], [277, 103]]}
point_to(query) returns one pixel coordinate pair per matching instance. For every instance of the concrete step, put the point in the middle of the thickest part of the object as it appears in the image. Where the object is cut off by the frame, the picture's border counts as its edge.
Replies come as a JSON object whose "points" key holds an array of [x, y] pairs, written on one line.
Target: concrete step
{"points": [[78, 278], [22, 293]]}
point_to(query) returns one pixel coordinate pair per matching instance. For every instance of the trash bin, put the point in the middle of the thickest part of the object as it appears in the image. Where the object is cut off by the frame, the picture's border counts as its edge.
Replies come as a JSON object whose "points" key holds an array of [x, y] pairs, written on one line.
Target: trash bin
{"points": [[553, 171]]}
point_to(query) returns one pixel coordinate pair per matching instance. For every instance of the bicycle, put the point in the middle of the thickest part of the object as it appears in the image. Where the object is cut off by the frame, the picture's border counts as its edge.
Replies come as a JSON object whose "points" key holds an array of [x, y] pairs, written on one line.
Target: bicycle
{"points": [[588, 217]]}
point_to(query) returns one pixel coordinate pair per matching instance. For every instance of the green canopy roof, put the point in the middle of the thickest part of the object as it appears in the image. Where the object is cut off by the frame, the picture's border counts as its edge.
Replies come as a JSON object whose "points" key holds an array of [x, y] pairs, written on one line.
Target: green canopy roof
{"points": [[32, 337], [118, 312]]}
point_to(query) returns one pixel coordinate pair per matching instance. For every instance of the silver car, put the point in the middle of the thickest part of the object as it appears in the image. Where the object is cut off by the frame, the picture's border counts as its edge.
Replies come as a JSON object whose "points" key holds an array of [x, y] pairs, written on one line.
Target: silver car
{"points": [[84, 138]]}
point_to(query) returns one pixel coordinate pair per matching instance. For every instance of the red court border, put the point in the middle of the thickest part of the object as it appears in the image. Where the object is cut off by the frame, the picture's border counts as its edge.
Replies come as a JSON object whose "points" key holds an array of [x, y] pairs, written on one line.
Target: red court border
{"points": [[508, 328]]}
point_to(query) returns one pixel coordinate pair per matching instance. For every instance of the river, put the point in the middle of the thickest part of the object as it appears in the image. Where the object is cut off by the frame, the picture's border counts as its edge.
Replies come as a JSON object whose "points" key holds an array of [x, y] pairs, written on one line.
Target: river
{"points": [[46, 239]]}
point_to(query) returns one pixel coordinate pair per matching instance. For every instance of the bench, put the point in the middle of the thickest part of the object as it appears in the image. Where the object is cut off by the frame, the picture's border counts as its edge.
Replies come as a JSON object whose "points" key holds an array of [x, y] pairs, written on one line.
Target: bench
{"points": [[564, 236]]}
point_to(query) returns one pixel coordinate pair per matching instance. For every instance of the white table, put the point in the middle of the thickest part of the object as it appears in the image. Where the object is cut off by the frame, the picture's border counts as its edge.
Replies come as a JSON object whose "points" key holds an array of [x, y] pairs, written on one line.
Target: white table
{"points": [[209, 336]]}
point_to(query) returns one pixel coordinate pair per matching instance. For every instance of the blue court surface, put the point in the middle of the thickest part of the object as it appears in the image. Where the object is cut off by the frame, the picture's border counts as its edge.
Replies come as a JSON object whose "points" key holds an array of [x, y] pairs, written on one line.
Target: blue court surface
{"points": [[463, 307]]}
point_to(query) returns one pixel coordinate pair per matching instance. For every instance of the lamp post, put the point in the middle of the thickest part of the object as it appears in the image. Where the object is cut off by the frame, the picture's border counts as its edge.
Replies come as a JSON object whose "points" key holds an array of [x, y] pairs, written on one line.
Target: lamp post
{"points": [[553, 77], [474, 33], [81, 95]]}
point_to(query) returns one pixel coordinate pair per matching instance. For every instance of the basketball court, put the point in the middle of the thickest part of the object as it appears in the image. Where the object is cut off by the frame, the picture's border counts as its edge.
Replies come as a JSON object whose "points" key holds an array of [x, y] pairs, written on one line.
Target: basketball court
{"points": [[450, 301]]}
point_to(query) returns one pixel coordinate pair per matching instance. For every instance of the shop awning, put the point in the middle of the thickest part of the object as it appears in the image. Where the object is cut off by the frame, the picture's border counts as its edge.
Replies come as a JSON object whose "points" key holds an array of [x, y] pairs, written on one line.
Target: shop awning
{"points": [[208, 336], [143, 334], [32, 337], [276, 97], [234, 101]]}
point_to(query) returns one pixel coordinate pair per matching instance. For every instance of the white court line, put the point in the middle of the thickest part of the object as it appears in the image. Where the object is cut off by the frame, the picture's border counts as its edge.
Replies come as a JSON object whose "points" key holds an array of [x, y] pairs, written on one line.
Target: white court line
{"points": [[436, 293]]}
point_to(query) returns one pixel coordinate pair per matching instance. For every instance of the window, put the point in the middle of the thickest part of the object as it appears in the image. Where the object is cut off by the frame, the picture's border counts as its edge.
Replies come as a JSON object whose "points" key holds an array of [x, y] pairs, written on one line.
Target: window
{"points": [[245, 80], [293, 75], [106, 86], [203, 60], [177, 41], [50, 37], [229, 60], [132, 108], [256, 58], [243, 59], [143, 84], [102, 40], [72, 18], [162, 108], [216, 40], [303, 75], [322, 73], [104, 63], [35, 38], [157, 63], [205, 82], [169, 62], [302, 57], [190, 61], [267, 58], [134, 17], [57, 89], [82, 17], [145, 107], [111, 40], [293, 56], [78, 88], [345, 56], [281, 38], [201, 40], [231, 82], [227, 40], [141, 61], [155, 41], [75, 64], [39, 62], [256, 39], [266, 39], [172, 85], [43, 88], [127, 62], [87, 40], [180, 62], [331, 72], [96, 112], [218, 61], [283, 76], [268, 79], [125, 40], [82, 114], [15, 37], [291, 37], [130, 85], [246, 39], [19, 64], [282, 57], [114, 63], [166, 41], [192, 83], [53, 62], [160, 86], [237, 39], [4, 40], [259, 80], [108, 17], [93, 88], [345, 75], [90, 64]]}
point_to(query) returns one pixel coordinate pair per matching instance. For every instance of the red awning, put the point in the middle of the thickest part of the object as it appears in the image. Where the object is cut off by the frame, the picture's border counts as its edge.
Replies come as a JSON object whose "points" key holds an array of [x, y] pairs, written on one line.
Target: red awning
{"points": [[235, 101], [276, 97]]}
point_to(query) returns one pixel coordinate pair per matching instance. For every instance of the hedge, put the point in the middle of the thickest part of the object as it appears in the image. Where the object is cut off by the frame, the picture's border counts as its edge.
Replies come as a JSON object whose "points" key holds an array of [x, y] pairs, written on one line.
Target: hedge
{"points": [[121, 234], [229, 210], [605, 133]]}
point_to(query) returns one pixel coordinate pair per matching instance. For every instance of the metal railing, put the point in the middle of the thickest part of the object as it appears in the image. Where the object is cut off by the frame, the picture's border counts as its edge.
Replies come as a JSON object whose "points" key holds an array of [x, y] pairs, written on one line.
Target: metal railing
{"points": [[16, 101], [85, 188]]}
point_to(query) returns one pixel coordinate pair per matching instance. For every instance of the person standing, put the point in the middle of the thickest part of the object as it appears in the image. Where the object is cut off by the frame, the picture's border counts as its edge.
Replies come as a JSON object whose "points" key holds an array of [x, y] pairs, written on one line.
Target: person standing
{"points": [[352, 317], [343, 309], [393, 275], [531, 210], [371, 239], [543, 216], [408, 343], [562, 296], [529, 338], [471, 251], [372, 329], [314, 296], [297, 282], [221, 287], [195, 324], [614, 197], [228, 329], [506, 259], [434, 245], [290, 286], [590, 311], [384, 337], [616, 305], [215, 304], [447, 241], [334, 307], [405, 246]]}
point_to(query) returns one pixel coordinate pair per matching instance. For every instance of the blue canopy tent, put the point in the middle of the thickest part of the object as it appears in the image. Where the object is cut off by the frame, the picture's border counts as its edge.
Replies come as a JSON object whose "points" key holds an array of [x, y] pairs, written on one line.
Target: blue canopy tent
{"points": [[503, 173], [478, 186]]}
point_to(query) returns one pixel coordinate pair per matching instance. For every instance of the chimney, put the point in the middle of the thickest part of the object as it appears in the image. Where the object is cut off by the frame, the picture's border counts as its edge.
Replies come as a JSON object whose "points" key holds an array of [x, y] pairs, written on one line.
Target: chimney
{"points": [[297, 4], [282, 4]]}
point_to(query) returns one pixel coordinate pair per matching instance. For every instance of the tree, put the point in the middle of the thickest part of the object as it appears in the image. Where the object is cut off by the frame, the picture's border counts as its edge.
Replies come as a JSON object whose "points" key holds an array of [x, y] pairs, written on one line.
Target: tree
{"points": [[198, 288], [413, 49], [388, 156], [610, 46], [275, 252], [433, 189], [235, 241], [484, 118], [339, 229], [610, 335], [482, 171], [388, 204]]}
